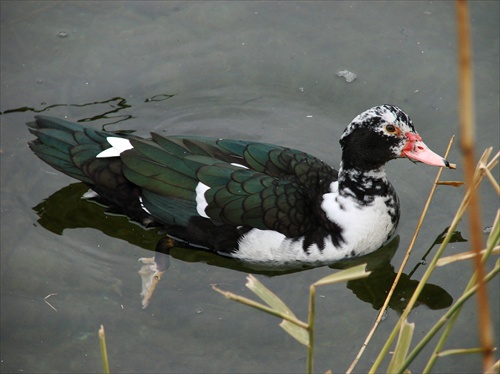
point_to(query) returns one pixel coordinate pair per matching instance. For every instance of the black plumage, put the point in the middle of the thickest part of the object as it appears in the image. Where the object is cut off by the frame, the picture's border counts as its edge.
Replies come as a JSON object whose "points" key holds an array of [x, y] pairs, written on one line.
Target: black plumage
{"points": [[258, 201]]}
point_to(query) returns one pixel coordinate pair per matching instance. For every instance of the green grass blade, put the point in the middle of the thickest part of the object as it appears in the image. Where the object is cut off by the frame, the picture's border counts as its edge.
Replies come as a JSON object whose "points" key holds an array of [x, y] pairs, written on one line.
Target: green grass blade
{"points": [[298, 332], [402, 346], [355, 272], [104, 352], [262, 307], [445, 318], [460, 351], [267, 295]]}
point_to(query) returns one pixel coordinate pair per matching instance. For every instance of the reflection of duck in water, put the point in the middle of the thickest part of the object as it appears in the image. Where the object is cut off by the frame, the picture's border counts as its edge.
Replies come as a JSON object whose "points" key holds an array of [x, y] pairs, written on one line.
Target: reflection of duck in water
{"points": [[264, 204], [375, 288], [66, 210]]}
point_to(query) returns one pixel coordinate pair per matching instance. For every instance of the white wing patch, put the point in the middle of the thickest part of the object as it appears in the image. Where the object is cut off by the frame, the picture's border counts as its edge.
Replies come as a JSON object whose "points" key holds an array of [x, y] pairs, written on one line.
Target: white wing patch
{"points": [[90, 194], [201, 202], [143, 207], [118, 145]]}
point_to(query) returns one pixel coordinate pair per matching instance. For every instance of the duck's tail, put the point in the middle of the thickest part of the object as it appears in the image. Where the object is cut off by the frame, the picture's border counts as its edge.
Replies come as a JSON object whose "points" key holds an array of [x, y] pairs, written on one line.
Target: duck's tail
{"points": [[72, 149], [66, 146]]}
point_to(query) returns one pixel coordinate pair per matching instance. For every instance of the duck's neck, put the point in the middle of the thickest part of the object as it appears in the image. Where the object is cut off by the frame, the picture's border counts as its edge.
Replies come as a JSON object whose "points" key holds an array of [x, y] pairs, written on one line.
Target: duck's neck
{"points": [[363, 185], [363, 208]]}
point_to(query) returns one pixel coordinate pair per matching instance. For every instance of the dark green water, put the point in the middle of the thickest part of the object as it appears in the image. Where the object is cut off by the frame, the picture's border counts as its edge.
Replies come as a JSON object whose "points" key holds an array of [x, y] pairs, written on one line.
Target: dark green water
{"points": [[252, 70]]}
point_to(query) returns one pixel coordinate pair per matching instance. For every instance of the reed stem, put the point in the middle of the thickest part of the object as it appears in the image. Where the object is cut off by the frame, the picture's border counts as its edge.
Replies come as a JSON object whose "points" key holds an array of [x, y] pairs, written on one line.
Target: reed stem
{"points": [[466, 112], [104, 352]]}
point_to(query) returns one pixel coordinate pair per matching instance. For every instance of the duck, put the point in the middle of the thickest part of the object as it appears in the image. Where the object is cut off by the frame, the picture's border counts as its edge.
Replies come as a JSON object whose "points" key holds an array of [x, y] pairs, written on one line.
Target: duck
{"points": [[259, 203]]}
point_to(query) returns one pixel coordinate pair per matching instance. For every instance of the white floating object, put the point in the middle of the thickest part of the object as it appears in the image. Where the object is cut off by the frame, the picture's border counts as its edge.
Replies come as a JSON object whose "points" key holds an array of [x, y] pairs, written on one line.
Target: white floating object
{"points": [[348, 75]]}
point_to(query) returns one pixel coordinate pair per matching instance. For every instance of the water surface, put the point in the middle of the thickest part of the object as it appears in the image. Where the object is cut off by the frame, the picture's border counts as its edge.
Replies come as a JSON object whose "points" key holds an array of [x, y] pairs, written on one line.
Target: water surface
{"points": [[264, 71]]}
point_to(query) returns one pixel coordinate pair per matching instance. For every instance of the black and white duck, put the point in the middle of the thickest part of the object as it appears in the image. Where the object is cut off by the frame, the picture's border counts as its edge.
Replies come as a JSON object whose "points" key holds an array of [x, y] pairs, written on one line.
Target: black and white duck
{"points": [[257, 202]]}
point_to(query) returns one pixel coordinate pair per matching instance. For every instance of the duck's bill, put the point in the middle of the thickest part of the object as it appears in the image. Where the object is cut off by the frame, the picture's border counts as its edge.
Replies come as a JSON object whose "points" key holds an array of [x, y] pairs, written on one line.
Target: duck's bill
{"points": [[420, 152]]}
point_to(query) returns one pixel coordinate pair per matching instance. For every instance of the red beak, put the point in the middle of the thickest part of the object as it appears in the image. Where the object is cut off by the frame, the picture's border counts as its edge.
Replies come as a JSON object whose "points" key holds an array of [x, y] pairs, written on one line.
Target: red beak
{"points": [[416, 149]]}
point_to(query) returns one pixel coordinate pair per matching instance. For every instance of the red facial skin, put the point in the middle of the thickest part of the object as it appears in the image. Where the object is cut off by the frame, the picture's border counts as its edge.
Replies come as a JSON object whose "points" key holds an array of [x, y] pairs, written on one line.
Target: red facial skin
{"points": [[415, 149]]}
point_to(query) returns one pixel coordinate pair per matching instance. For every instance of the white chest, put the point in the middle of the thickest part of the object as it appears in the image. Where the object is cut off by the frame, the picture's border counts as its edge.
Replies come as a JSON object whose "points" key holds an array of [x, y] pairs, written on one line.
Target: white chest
{"points": [[365, 228]]}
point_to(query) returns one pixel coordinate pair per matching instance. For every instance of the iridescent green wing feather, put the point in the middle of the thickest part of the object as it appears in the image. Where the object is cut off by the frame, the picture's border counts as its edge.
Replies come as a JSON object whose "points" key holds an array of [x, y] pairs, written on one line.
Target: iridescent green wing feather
{"points": [[250, 184], [67, 146]]}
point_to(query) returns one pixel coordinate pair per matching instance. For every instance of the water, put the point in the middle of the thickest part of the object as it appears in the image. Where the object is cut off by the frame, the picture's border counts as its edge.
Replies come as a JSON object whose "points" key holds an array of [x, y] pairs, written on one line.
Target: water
{"points": [[263, 71]]}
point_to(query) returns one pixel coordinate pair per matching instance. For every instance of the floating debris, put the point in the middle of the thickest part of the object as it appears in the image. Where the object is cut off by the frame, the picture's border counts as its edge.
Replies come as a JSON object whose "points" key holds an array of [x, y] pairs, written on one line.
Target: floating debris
{"points": [[348, 75], [49, 304]]}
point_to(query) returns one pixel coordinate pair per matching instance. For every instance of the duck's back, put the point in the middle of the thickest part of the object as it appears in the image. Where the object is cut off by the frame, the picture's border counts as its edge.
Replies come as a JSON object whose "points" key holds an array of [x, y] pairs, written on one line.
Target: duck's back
{"points": [[208, 191]]}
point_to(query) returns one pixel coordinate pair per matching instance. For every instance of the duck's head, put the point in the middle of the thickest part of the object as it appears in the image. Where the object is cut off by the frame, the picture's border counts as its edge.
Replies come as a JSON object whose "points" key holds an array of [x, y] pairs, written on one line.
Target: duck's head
{"points": [[383, 133]]}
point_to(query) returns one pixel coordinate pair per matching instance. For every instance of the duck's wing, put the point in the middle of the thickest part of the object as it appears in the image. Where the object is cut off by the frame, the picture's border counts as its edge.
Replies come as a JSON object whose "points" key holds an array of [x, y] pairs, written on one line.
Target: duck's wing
{"points": [[230, 182], [73, 149]]}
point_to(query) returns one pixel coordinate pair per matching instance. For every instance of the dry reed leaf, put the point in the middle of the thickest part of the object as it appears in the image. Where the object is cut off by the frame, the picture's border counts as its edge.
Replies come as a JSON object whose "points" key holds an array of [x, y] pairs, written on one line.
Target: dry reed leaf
{"points": [[494, 369], [450, 183], [464, 256]]}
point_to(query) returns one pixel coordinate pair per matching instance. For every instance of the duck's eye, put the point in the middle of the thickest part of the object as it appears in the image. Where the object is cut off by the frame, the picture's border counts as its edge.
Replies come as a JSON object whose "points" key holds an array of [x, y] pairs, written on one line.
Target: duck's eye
{"points": [[390, 129]]}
